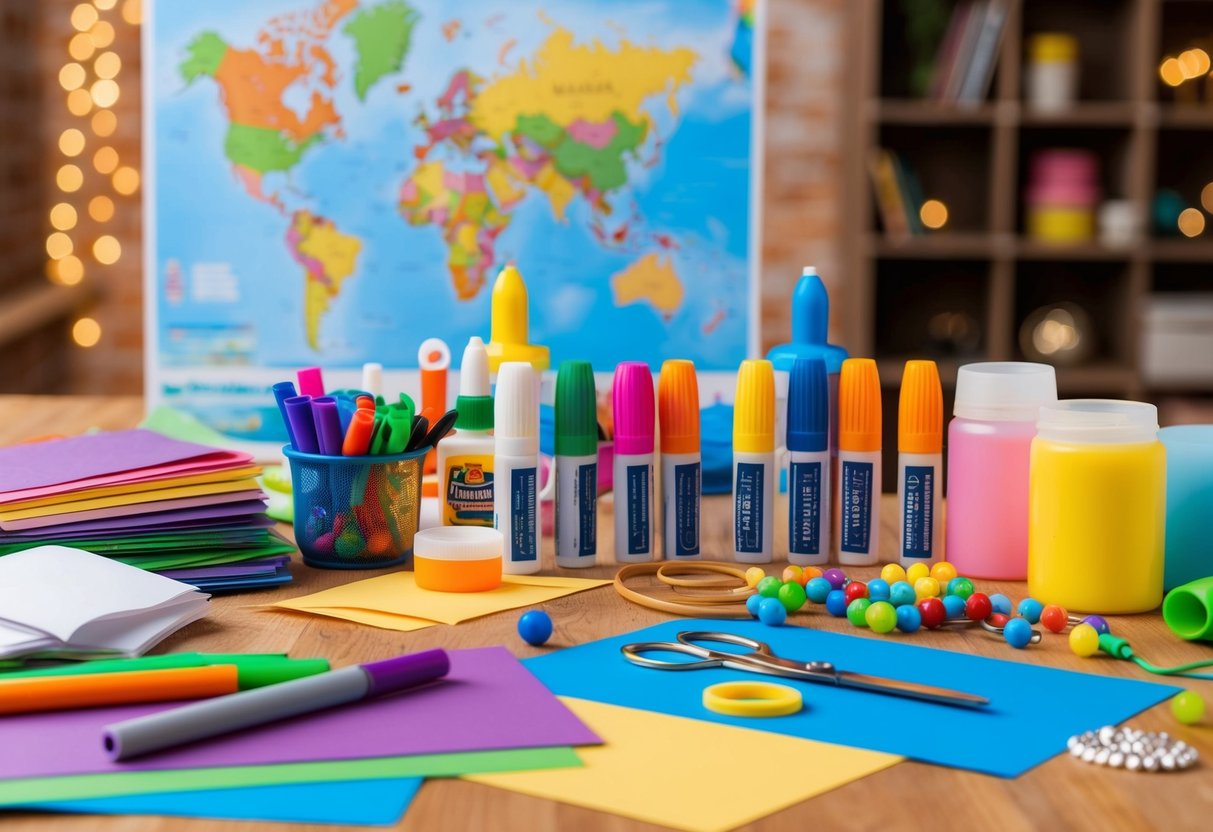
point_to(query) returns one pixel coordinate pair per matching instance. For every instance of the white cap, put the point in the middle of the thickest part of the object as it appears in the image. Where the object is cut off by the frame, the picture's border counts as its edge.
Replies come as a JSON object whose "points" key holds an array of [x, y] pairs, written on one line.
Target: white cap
{"points": [[372, 379], [1004, 391], [474, 369], [1098, 421], [458, 543], [516, 410], [434, 354]]}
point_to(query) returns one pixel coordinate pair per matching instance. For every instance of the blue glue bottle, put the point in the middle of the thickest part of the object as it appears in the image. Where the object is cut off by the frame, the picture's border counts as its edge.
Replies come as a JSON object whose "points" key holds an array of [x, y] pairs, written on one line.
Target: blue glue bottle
{"points": [[808, 463]]}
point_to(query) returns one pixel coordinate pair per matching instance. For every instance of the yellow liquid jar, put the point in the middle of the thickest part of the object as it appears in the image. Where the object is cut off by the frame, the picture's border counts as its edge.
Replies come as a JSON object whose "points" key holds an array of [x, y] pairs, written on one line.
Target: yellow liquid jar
{"points": [[1097, 506]]}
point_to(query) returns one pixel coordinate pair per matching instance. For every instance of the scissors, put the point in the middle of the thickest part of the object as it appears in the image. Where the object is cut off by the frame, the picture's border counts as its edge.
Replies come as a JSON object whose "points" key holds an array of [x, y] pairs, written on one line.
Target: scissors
{"points": [[760, 659]]}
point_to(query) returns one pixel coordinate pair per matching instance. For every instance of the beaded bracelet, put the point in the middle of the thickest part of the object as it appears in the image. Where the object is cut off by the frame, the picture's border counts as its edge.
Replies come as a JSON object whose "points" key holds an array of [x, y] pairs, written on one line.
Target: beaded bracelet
{"points": [[1132, 749]]}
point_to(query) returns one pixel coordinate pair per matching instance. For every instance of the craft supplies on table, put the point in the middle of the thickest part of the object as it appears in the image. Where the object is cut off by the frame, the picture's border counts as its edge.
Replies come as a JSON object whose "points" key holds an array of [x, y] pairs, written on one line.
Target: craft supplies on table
{"points": [[730, 600], [809, 463], [1097, 506], [457, 559], [754, 470], [1189, 557], [576, 467], [516, 467], [681, 459], [1134, 750], [632, 401], [920, 464], [994, 422], [465, 460], [859, 463]]}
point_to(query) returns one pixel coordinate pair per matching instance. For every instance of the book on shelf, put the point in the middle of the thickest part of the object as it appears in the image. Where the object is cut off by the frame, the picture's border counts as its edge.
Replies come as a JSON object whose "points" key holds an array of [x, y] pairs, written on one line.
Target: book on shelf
{"points": [[898, 194], [964, 65]]}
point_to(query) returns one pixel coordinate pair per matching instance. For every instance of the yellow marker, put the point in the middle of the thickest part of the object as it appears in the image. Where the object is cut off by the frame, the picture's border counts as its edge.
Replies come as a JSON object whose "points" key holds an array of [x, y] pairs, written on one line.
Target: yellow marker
{"points": [[754, 463], [508, 325]]}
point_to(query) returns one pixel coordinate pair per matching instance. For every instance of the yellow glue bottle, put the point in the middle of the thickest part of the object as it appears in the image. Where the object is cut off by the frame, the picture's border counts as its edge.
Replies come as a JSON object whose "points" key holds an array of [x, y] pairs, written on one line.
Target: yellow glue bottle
{"points": [[509, 329], [1096, 506], [465, 457]]}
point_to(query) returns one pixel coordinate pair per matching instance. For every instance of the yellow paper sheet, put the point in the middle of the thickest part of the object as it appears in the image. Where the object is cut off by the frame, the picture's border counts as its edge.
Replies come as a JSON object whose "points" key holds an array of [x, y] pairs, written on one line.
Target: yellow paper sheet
{"points": [[395, 602], [241, 473], [687, 774], [131, 499]]}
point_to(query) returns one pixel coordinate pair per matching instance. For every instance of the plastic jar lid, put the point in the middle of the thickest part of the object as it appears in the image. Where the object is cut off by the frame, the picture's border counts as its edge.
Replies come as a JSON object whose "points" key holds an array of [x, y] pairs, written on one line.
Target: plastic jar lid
{"points": [[1004, 391], [457, 558], [1098, 421]]}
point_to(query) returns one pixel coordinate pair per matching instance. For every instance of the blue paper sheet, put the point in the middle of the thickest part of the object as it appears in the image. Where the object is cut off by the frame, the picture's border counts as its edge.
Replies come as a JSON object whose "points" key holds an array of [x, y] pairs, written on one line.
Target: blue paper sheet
{"points": [[1033, 710], [361, 802]]}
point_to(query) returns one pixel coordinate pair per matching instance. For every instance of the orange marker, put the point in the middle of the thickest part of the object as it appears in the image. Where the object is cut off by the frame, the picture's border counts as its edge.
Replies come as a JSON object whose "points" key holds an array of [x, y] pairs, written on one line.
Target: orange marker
{"points": [[56, 693], [365, 403], [919, 463], [859, 463], [434, 359], [358, 435], [681, 482]]}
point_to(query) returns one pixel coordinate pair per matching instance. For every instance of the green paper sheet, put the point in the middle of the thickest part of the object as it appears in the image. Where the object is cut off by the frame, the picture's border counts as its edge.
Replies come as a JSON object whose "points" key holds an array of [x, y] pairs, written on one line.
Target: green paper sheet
{"points": [[45, 789]]}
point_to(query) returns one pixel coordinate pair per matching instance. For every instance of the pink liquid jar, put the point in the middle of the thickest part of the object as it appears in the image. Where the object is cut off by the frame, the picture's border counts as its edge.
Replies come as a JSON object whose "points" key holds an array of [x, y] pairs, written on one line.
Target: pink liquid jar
{"points": [[989, 447]]}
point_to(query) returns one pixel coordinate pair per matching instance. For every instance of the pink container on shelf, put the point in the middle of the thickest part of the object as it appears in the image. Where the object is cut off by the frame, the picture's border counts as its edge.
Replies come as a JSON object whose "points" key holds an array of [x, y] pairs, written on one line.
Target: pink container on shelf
{"points": [[1063, 190], [989, 446]]}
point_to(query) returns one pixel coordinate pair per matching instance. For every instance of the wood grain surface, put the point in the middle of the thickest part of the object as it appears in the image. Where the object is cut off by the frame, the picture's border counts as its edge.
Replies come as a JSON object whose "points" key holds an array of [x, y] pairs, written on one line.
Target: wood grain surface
{"points": [[1061, 794]]}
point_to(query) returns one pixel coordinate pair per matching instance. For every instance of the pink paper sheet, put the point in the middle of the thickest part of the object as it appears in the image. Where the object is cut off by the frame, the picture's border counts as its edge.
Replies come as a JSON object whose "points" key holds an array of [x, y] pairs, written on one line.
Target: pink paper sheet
{"points": [[131, 509], [488, 701]]}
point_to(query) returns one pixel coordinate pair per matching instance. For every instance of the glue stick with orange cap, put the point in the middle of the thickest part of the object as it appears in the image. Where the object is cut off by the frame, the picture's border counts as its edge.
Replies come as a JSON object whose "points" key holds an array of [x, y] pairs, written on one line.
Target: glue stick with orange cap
{"points": [[919, 463], [681, 483], [754, 463], [859, 463]]}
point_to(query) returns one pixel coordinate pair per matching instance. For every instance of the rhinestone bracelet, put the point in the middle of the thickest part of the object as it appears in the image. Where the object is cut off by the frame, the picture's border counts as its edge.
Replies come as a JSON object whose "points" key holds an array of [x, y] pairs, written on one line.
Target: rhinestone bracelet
{"points": [[1132, 749]]}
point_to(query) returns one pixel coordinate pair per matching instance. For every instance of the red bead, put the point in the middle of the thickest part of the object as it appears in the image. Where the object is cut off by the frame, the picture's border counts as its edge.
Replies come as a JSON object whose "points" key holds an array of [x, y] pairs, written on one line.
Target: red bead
{"points": [[978, 607], [999, 619], [933, 612], [855, 589], [1054, 618]]}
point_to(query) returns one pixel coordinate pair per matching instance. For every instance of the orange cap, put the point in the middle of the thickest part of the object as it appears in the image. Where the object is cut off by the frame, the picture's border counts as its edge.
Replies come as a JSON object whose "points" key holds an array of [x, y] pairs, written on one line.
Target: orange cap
{"points": [[859, 406], [920, 409], [678, 407]]}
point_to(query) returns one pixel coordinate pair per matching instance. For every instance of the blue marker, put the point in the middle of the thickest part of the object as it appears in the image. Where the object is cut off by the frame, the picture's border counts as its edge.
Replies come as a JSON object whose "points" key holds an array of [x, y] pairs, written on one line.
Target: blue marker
{"points": [[808, 439]]}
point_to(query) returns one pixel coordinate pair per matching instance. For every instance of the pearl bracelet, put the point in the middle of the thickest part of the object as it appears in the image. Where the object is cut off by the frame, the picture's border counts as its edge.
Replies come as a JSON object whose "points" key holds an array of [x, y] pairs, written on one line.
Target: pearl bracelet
{"points": [[1132, 749]]}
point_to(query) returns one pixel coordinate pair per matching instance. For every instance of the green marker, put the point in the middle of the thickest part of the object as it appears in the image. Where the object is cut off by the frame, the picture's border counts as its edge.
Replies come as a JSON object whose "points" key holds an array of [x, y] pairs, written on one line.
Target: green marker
{"points": [[253, 670]]}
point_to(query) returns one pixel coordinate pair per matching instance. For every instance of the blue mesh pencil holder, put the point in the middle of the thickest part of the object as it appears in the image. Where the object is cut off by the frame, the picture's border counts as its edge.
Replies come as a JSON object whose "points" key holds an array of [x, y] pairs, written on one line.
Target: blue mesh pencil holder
{"points": [[356, 512]]}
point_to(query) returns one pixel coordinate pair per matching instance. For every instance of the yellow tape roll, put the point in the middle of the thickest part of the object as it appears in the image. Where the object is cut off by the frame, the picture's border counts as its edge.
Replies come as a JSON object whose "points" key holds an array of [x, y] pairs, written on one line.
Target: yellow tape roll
{"points": [[752, 699]]}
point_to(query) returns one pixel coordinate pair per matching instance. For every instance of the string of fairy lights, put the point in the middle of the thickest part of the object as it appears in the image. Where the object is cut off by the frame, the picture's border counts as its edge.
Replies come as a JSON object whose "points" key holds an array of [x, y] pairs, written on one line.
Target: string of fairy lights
{"points": [[91, 175]]}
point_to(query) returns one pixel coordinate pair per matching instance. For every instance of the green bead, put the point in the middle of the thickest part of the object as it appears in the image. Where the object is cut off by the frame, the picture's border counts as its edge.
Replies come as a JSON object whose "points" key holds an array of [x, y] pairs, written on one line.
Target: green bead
{"points": [[792, 596], [858, 610], [350, 544], [1188, 707], [960, 587], [769, 586], [881, 616]]}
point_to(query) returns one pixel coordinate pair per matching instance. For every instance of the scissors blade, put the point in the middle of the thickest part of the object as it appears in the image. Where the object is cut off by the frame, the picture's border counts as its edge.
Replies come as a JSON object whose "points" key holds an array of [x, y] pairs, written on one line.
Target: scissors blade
{"points": [[909, 690]]}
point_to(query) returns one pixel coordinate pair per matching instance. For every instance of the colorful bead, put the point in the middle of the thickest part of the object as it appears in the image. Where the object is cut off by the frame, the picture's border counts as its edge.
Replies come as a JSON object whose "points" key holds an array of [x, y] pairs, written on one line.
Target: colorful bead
{"points": [[892, 573], [535, 627], [811, 572], [753, 575], [857, 611], [878, 589], [836, 577], [943, 572], [932, 612], [751, 604], [771, 612], [978, 607], [1000, 603], [1099, 623], [1054, 618], [916, 571], [836, 603], [855, 589], [1188, 707], [953, 606], [1030, 609], [792, 596], [960, 586], [817, 589], [909, 619], [769, 586], [901, 593], [926, 588], [1084, 640], [998, 619], [792, 572], [1018, 633], [881, 617]]}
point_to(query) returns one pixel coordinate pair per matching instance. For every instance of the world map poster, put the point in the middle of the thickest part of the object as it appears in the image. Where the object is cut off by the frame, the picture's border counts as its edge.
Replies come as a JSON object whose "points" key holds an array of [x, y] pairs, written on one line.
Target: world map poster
{"points": [[332, 182]]}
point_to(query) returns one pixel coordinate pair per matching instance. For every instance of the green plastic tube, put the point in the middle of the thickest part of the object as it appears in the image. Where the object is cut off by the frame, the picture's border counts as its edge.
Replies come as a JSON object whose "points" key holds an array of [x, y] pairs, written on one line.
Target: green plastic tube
{"points": [[1188, 610], [253, 670]]}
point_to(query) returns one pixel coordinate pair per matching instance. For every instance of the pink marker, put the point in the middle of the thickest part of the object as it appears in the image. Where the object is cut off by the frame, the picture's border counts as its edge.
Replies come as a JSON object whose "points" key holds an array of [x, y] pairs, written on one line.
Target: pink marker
{"points": [[311, 382], [632, 397]]}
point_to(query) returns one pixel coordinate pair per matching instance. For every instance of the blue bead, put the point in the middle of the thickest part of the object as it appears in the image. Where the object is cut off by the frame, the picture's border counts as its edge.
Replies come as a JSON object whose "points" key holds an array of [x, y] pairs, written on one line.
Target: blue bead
{"points": [[1099, 623], [909, 619], [817, 589], [772, 612], [954, 606], [535, 627], [1018, 633], [836, 603], [751, 604], [1031, 609], [878, 589], [1000, 603], [901, 593]]}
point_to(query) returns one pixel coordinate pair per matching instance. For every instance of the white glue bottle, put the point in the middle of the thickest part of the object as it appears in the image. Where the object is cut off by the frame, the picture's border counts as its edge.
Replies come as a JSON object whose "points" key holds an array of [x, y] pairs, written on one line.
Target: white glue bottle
{"points": [[681, 459], [808, 438], [920, 463], [465, 457], [754, 469], [516, 467], [632, 401], [859, 461], [576, 466]]}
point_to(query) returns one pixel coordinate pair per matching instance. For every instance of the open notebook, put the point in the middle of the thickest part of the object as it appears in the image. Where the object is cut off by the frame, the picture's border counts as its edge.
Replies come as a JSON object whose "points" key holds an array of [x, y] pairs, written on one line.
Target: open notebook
{"points": [[55, 600]]}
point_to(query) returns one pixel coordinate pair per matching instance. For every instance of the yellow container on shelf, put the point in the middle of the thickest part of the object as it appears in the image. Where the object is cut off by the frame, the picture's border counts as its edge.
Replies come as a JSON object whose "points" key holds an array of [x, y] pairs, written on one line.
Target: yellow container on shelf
{"points": [[1097, 506], [1061, 223]]}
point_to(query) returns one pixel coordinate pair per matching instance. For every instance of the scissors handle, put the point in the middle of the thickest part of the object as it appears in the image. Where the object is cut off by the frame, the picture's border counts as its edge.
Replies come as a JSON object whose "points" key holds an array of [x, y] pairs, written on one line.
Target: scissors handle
{"points": [[696, 637], [634, 653]]}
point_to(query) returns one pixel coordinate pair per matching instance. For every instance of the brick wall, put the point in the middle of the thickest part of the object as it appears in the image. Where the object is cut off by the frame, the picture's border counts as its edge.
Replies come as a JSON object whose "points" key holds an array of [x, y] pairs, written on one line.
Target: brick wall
{"points": [[802, 181]]}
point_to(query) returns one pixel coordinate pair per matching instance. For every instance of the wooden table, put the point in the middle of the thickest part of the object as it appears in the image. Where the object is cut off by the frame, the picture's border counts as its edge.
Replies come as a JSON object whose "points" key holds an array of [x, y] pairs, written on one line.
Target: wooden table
{"points": [[1061, 794]]}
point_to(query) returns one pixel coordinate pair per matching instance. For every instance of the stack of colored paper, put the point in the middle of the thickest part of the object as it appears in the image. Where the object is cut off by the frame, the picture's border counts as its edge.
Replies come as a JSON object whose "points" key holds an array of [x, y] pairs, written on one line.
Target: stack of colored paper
{"points": [[191, 512]]}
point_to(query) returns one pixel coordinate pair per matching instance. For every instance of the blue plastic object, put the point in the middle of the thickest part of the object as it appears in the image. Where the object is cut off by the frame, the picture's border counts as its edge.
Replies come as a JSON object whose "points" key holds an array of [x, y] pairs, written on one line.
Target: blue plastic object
{"points": [[810, 327], [1018, 633], [772, 612], [901, 593], [1031, 609], [751, 604], [878, 589], [954, 606], [836, 603], [535, 627], [909, 619], [818, 589], [808, 406], [1000, 603]]}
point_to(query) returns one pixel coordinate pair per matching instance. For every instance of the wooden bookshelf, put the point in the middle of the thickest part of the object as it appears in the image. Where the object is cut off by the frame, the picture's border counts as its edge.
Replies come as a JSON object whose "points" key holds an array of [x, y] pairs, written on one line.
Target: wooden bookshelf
{"points": [[982, 268]]}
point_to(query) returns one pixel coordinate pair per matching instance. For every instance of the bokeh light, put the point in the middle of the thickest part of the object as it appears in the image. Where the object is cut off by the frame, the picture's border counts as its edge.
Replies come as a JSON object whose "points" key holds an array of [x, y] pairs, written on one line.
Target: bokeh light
{"points": [[71, 142], [86, 332], [105, 5], [107, 65], [1194, 63], [1191, 222], [81, 47], [84, 16], [132, 12], [79, 102], [104, 122], [105, 93], [934, 214], [1171, 72], [105, 160], [69, 178], [1206, 197], [69, 271], [126, 180], [72, 76], [101, 208], [107, 250], [63, 217], [102, 34], [58, 245]]}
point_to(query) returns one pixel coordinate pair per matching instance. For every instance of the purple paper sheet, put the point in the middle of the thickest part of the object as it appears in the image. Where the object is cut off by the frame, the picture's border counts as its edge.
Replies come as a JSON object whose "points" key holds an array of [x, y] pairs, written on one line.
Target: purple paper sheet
{"points": [[219, 525], [130, 510], [489, 701], [156, 520], [234, 570]]}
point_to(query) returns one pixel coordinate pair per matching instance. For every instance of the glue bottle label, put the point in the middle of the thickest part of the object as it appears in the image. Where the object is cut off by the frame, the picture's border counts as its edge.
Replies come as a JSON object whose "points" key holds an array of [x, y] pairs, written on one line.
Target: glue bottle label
{"points": [[524, 485], [686, 509], [856, 489], [805, 491], [748, 507], [918, 488], [638, 509], [587, 496], [469, 491]]}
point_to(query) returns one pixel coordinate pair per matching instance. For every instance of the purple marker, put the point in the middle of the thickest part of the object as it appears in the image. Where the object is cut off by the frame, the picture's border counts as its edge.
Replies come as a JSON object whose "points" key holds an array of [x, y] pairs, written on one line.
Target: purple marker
{"points": [[284, 390], [250, 708], [328, 425], [303, 426]]}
